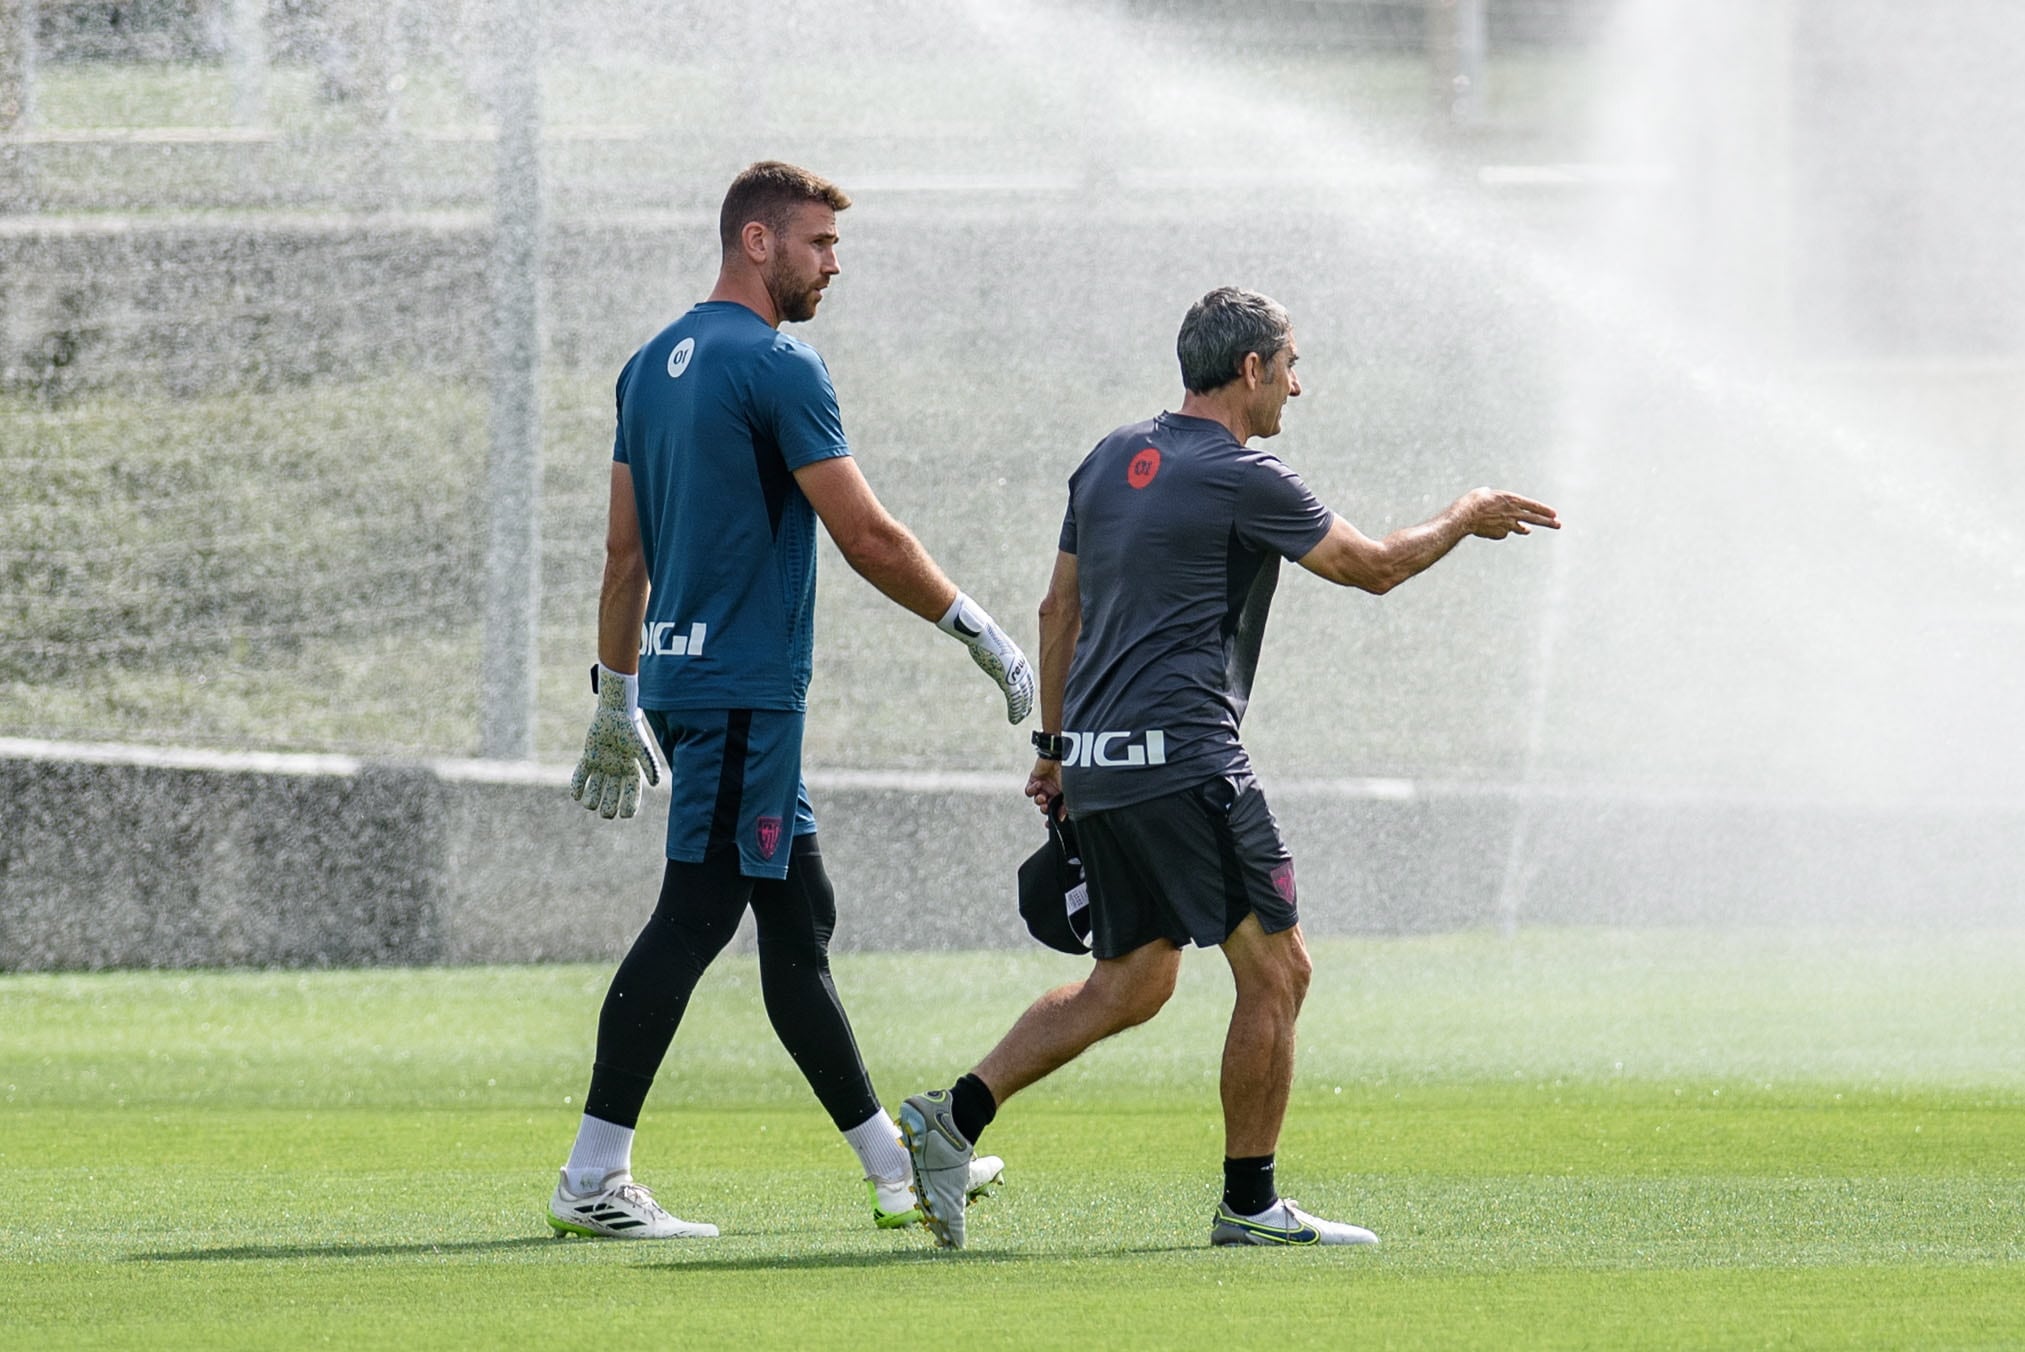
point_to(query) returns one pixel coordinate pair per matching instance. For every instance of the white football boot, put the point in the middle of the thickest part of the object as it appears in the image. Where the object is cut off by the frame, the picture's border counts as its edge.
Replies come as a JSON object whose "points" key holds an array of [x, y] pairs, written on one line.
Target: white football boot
{"points": [[942, 1160], [1283, 1223], [895, 1204], [621, 1209]]}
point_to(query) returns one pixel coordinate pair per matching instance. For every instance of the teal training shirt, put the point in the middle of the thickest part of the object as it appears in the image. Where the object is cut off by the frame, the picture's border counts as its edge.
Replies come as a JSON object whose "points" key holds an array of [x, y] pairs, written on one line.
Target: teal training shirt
{"points": [[714, 416]]}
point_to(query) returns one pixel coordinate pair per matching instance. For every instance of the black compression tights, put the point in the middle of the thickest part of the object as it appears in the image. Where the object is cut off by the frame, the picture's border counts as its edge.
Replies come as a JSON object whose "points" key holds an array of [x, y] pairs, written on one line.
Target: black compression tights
{"points": [[697, 915]]}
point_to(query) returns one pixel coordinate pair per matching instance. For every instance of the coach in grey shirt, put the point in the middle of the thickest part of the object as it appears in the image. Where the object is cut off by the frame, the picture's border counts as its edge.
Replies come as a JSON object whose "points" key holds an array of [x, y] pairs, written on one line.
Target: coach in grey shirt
{"points": [[1150, 632]]}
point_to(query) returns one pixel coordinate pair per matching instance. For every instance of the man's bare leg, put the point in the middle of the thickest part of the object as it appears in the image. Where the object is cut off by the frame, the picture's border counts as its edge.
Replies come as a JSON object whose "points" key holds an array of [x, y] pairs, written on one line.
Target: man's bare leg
{"points": [[1271, 972], [941, 1127], [1119, 993]]}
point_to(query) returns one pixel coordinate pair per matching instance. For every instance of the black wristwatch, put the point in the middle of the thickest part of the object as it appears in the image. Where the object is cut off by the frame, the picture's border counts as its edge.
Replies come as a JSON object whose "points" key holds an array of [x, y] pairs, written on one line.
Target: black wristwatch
{"points": [[1050, 745]]}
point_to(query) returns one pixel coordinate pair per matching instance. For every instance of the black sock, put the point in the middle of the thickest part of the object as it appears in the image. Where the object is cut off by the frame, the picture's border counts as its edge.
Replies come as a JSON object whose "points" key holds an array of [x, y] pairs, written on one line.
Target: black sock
{"points": [[1248, 1185], [973, 1107]]}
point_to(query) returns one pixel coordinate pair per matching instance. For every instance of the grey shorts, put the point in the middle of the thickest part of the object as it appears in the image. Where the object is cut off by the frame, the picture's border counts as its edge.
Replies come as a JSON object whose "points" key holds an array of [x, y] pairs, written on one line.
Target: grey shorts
{"points": [[1187, 867]]}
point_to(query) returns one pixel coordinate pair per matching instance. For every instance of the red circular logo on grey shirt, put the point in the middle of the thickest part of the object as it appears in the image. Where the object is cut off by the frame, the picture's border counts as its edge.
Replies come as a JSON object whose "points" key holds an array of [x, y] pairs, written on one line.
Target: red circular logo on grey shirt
{"points": [[1144, 466]]}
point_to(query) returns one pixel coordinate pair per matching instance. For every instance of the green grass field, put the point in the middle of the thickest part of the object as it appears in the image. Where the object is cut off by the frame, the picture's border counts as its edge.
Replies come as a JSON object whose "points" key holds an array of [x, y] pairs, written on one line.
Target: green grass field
{"points": [[1575, 1139]]}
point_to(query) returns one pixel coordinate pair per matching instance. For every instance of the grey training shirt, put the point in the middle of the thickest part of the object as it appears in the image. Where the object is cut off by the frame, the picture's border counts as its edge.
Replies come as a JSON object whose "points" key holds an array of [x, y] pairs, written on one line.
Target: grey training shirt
{"points": [[1178, 532]]}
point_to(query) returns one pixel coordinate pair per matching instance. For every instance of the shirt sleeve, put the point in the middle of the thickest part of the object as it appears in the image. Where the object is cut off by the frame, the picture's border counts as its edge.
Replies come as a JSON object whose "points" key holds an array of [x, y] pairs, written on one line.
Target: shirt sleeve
{"points": [[801, 404], [1066, 542], [1276, 510]]}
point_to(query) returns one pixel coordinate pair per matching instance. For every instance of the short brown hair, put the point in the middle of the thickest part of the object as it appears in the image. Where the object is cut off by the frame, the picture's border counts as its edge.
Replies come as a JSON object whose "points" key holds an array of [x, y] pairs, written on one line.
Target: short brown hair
{"points": [[768, 192]]}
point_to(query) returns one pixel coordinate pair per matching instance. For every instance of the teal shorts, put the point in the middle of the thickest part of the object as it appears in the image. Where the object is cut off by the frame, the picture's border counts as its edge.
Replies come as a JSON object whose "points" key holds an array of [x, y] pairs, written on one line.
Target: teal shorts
{"points": [[735, 779]]}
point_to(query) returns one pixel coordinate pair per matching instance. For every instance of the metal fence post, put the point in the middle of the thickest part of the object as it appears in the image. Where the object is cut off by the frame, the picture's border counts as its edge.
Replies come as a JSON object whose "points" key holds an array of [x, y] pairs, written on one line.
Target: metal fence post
{"points": [[513, 554], [17, 64], [246, 57], [1458, 43]]}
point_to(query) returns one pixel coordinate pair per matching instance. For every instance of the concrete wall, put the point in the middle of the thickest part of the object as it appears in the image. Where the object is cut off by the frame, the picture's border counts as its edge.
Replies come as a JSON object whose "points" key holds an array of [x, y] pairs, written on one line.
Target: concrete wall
{"points": [[120, 857], [127, 857]]}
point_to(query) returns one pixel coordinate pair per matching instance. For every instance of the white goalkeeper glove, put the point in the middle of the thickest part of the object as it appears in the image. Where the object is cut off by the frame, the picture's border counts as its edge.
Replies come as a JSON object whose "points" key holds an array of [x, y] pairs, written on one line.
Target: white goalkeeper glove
{"points": [[618, 749], [993, 649]]}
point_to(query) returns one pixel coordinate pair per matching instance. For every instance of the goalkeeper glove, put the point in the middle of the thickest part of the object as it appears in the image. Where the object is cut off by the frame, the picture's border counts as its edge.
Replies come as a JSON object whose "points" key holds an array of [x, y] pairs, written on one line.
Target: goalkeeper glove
{"points": [[992, 649], [618, 750]]}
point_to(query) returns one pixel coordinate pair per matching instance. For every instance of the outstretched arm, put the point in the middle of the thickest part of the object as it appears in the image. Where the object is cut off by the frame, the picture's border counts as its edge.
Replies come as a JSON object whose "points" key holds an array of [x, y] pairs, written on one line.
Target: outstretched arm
{"points": [[1349, 558], [881, 550], [886, 554]]}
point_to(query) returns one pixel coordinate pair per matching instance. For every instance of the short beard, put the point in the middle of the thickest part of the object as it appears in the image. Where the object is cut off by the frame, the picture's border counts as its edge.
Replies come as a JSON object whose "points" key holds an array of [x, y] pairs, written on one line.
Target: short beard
{"points": [[794, 305]]}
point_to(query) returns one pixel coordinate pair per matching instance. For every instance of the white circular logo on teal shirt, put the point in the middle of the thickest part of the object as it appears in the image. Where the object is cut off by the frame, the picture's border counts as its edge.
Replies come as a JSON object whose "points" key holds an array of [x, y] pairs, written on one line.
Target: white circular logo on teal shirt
{"points": [[678, 358]]}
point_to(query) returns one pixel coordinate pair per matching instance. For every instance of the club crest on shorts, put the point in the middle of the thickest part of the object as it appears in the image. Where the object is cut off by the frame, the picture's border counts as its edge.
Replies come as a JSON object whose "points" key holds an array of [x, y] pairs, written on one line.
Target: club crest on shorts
{"points": [[1283, 882], [767, 831]]}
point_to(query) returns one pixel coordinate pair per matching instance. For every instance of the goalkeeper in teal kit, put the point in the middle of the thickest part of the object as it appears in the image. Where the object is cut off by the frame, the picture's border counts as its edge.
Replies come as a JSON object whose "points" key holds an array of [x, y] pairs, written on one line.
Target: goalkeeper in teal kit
{"points": [[729, 449]]}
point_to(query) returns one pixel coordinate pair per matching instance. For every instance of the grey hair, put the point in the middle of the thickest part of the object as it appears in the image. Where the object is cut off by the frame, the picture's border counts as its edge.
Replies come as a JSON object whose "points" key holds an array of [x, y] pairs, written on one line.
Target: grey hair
{"points": [[1220, 328]]}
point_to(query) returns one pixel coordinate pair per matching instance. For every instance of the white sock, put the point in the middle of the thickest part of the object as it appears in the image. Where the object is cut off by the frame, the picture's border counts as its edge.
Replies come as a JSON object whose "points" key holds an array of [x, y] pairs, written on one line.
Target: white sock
{"points": [[601, 1147], [877, 1141]]}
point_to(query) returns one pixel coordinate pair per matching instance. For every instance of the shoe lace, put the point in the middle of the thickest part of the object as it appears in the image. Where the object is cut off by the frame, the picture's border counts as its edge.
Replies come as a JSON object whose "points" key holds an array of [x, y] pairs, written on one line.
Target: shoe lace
{"points": [[637, 1194]]}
